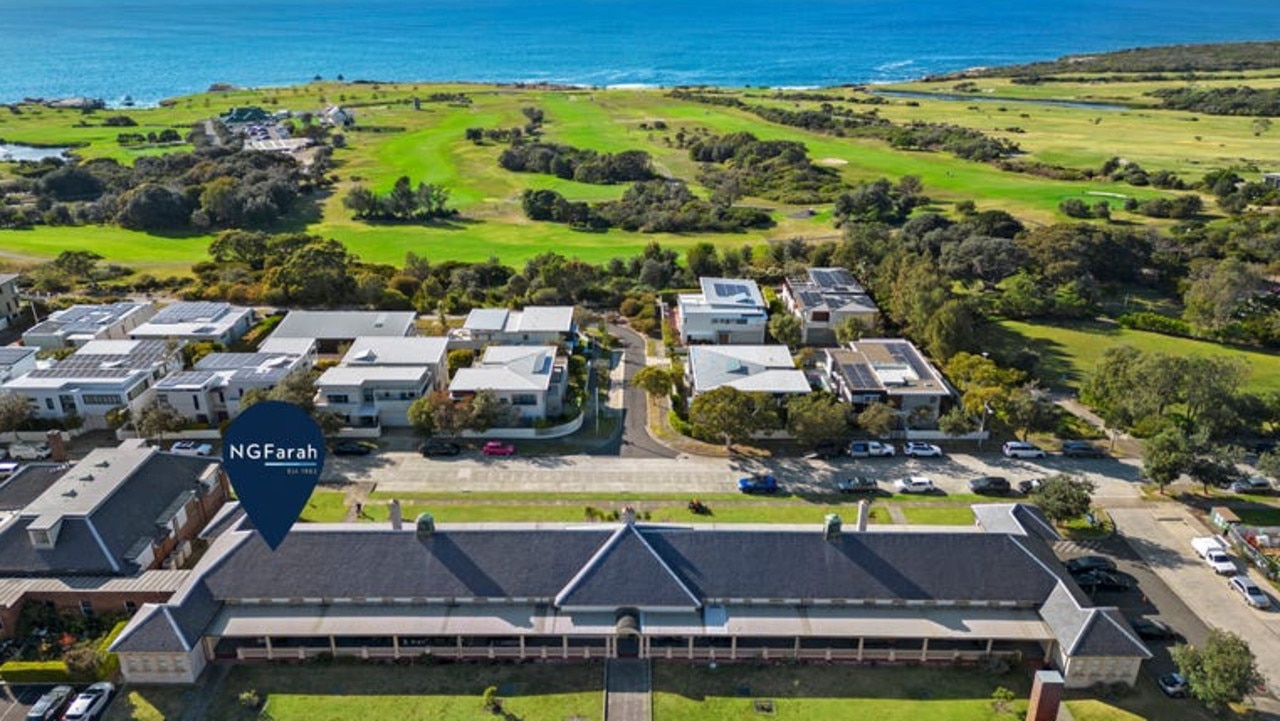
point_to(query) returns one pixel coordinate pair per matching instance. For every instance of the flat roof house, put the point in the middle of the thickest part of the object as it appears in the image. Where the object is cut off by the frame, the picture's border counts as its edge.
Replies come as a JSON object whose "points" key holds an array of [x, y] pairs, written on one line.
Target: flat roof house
{"points": [[748, 368], [211, 392], [535, 325], [333, 328], [824, 298], [100, 376], [662, 592], [728, 311], [197, 322], [379, 378], [530, 378], [893, 371], [16, 361], [101, 536], [79, 324], [10, 303]]}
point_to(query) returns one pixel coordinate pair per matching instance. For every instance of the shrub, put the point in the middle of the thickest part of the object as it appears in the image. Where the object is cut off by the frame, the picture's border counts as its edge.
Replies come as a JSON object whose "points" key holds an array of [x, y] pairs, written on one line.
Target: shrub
{"points": [[678, 424], [249, 699], [1155, 323], [22, 672]]}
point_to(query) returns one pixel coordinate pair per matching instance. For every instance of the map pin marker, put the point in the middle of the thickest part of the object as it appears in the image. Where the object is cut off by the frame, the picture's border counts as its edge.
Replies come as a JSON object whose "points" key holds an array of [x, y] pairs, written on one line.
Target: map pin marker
{"points": [[273, 453]]}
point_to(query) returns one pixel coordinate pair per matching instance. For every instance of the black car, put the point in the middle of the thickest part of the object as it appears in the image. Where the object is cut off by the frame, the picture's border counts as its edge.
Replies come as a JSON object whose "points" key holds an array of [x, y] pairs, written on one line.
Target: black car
{"points": [[352, 448], [439, 448], [1103, 581], [828, 449], [858, 484], [990, 485], [1151, 629], [1082, 449], [1084, 564]]}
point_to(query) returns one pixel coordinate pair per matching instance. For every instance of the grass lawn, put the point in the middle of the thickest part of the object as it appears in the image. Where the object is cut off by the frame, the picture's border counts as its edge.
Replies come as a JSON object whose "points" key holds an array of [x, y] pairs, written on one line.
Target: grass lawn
{"points": [[685, 692], [1258, 515], [1070, 351], [437, 692], [150, 703]]}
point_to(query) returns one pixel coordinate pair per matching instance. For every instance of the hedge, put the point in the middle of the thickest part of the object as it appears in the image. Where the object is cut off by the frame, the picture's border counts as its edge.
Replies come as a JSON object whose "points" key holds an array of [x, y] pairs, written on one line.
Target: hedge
{"points": [[1156, 323], [19, 672], [109, 663]]}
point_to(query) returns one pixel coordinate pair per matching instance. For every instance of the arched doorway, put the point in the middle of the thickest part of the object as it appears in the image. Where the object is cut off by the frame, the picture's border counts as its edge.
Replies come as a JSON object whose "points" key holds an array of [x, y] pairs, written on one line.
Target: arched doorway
{"points": [[627, 633]]}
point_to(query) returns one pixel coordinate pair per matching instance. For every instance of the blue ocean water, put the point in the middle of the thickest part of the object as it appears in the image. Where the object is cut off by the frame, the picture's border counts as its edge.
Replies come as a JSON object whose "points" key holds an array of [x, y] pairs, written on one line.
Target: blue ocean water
{"points": [[151, 49]]}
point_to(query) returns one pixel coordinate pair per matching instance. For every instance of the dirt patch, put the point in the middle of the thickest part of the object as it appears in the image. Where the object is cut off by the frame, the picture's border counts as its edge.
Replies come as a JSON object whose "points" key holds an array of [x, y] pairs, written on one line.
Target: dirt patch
{"points": [[833, 161]]}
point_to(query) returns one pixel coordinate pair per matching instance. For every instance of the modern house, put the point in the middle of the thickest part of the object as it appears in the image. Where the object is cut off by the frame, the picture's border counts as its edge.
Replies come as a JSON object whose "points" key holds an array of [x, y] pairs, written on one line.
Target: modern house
{"points": [[15, 362], [824, 298], [531, 378], [726, 312], [9, 300], [379, 378], [535, 325], [305, 347], [100, 376], [662, 592], [892, 371], [332, 329], [339, 117], [197, 322], [211, 392], [79, 324], [749, 368], [105, 535]]}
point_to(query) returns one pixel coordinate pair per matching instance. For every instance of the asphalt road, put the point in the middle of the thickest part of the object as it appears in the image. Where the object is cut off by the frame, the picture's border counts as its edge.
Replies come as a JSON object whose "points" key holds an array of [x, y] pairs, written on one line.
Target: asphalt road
{"points": [[635, 441]]}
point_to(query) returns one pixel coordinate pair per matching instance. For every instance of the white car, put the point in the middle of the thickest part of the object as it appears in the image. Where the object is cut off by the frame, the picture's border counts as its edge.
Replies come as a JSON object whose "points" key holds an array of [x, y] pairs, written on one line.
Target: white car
{"points": [[90, 704], [916, 449], [1253, 595], [8, 468], [28, 452], [1020, 449], [191, 448], [914, 484], [1253, 484]]}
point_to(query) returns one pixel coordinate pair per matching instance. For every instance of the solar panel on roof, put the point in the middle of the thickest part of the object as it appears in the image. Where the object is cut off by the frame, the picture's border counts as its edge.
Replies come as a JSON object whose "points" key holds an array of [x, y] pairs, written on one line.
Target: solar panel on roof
{"points": [[190, 312], [861, 376], [903, 354]]}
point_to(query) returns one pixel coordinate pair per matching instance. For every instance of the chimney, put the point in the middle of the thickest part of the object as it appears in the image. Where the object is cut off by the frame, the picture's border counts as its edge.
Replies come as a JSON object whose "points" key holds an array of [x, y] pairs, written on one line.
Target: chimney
{"points": [[831, 527], [629, 515], [57, 446], [864, 514], [1046, 696], [397, 519], [426, 525]]}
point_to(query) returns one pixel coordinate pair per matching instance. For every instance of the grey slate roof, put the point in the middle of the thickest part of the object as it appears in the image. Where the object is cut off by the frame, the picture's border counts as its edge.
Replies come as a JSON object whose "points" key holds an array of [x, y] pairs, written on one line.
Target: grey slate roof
{"points": [[627, 572], [1086, 631], [11, 356], [27, 484], [1022, 519]]}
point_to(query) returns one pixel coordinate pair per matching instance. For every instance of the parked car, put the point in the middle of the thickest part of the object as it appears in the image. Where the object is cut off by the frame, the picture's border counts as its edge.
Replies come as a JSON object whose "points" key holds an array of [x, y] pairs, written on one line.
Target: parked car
{"points": [[191, 448], [1082, 449], [48, 706], [1021, 449], [918, 449], [759, 483], [8, 468], [914, 484], [1028, 487], [352, 448], [434, 447], [992, 485], [498, 448], [1253, 484], [1253, 595], [1173, 685], [1084, 564], [90, 703], [828, 449], [858, 484], [1151, 629], [28, 452], [871, 449], [1100, 580]]}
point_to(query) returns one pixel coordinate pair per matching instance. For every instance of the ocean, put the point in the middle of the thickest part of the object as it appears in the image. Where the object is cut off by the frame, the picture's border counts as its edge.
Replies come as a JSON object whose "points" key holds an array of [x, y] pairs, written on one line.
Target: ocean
{"points": [[153, 49]]}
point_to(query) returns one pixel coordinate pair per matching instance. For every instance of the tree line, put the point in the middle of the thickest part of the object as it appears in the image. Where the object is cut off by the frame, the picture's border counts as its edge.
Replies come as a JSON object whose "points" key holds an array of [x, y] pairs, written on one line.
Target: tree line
{"points": [[403, 202]]}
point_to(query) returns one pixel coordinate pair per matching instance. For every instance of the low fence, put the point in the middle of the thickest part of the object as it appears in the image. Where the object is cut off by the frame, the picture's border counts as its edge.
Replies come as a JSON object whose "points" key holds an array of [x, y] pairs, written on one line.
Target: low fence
{"points": [[1246, 539], [560, 431], [203, 434]]}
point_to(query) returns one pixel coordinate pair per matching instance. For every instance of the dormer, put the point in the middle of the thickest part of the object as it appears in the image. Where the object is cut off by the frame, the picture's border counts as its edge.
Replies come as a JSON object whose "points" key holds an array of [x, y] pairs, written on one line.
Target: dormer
{"points": [[43, 532]]}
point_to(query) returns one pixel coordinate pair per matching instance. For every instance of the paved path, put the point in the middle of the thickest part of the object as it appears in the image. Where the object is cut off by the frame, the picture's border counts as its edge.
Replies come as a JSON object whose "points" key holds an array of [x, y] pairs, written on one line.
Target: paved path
{"points": [[208, 687], [636, 441], [628, 692]]}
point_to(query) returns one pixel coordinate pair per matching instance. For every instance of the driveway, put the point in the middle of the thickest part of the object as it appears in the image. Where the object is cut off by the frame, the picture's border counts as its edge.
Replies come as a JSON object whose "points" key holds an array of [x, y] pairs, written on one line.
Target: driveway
{"points": [[636, 441]]}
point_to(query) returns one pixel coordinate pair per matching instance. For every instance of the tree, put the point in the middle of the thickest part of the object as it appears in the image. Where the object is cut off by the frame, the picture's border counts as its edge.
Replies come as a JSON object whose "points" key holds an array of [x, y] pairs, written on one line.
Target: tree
{"points": [[1062, 498], [1217, 290], [1223, 671], [1028, 409], [878, 419], [421, 415], [158, 418], [317, 274], [78, 264], [459, 358], [956, 422], [702, 260], [850, 329], [785, 329], [816, 417], [14, 411], [447, 416], [728, 414], [1166, 456], [487, 411], [654, 380]]}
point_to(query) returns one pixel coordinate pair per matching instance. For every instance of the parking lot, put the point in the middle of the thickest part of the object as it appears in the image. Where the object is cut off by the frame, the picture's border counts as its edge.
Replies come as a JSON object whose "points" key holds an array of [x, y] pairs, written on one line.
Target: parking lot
{"points": [[16, 701]]}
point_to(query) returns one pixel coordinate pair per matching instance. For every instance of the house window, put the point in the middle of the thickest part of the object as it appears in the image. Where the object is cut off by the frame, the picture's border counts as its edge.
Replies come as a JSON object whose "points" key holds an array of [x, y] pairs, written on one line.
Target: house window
{"points": [[821, 316], [338, 398], [130, 607], [524, 399], [96, 399], [195, 400], [86, 608], [48, 403], [162, 398]]}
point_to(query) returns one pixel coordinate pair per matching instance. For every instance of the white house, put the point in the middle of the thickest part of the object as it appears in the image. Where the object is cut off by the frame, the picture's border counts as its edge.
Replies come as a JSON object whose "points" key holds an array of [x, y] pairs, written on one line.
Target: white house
{"points": [[535, 325], [9, 301], [211, 393], [823, 298], [726, 312], [331, 329], [339, 117], [16, 362], [80, 324], [197, 322], [748, 368], [100, 376], [530, 378], [892, 371], [379, 378]]}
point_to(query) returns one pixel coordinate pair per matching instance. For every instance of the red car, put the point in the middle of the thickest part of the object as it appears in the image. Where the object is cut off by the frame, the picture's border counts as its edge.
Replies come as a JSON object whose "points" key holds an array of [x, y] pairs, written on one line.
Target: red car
{"points": [[498, 448]]}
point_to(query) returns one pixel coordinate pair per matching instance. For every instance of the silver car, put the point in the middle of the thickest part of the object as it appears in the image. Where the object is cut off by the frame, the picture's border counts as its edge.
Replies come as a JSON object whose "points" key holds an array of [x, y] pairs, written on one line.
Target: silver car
{"points": [[1253, 595]]}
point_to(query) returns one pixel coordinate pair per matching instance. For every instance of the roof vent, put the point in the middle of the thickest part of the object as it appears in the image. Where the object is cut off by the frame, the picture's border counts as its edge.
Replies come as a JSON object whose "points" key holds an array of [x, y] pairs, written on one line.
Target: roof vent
{"points": [[426, 526], [87, 477], [380, 321], [70, 494], [102, 464], [831, 526], [366, 355]]}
